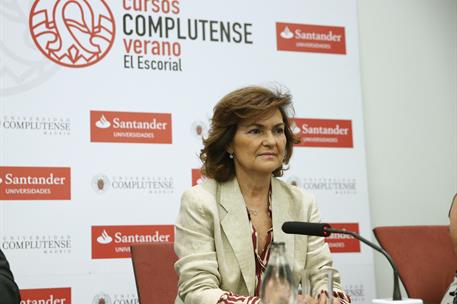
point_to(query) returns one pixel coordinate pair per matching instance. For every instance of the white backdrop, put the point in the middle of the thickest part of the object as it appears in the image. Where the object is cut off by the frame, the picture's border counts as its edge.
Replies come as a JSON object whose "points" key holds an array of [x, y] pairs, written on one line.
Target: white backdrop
{"points": [[399, 189], [96, 151]]}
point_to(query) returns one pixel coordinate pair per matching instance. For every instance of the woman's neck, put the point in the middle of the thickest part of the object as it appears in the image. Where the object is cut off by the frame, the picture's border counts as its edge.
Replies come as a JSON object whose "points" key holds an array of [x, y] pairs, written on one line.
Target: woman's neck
{"points": [[255, 189]]}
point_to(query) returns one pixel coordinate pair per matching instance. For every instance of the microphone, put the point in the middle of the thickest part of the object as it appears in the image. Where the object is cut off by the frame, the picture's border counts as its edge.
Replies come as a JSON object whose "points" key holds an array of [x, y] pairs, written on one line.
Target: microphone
{"points": [[325, 230], [315, 229]]}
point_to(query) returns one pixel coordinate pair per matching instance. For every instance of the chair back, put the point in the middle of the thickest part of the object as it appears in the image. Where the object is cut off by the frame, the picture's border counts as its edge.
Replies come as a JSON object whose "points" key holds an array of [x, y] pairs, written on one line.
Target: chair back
{"points": [[424, 256], [155, 277]]}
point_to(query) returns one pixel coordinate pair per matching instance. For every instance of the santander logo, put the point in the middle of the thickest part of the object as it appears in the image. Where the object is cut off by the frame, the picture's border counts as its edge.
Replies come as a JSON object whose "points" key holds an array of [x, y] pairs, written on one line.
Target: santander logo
{"points": [[312, 38], [130, 127], [103, 123], [340, 243], [197, 177], [113, 242], [61, 295], [287, 33], [35, 183], [326, 133], [72, 33], [104, 238]]}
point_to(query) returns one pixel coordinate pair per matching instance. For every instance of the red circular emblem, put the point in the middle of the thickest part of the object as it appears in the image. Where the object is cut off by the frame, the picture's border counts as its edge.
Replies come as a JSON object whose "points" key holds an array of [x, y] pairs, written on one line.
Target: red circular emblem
{"points": [[72, 33]]}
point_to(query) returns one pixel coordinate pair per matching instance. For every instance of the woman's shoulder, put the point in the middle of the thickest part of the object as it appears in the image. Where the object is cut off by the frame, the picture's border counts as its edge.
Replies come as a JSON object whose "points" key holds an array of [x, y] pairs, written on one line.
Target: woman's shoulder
{"points": [[206, 186], [202, 194]]}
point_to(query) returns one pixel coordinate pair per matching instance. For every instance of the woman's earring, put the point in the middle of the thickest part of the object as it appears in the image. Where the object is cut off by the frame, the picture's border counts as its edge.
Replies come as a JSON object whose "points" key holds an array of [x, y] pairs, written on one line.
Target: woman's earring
{"points": [[230, 155]]}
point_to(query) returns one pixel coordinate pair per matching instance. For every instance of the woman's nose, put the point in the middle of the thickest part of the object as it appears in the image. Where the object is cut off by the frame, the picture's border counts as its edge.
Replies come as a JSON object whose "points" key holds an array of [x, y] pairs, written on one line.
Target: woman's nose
{"points": [[269, 138]]}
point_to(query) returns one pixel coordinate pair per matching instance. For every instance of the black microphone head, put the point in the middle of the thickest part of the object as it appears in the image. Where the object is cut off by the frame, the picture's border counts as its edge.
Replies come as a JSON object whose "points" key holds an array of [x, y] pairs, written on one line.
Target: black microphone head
{"points": [[305, 228]]}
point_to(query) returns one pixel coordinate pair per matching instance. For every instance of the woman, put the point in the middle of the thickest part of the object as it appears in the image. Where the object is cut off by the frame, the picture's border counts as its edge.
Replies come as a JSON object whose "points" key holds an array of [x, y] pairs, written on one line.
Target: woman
{"points": [[450, 297], [226, 224]]}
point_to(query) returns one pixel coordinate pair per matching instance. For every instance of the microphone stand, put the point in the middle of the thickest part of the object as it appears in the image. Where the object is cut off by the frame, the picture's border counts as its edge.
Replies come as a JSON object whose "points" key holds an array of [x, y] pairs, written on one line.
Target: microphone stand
{"points": [[397, 294]]}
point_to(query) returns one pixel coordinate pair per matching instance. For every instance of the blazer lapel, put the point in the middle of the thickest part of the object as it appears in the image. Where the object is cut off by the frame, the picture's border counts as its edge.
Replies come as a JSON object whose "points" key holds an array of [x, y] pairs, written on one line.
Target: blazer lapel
{"points": [[281, 209], [236, 226]]}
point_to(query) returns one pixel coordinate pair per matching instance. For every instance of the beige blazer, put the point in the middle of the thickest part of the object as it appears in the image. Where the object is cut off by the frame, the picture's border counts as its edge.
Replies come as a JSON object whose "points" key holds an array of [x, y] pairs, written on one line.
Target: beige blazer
{"points": [[214, 245]]}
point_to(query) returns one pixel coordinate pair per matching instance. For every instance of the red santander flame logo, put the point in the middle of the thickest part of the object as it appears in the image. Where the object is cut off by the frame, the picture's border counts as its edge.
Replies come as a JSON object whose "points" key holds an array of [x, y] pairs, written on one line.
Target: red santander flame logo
{"points": [[343, 242], [130, 127], [72, 33], [35, 183], [327, 133], [46, 295], [112, 242], [310, 38]]}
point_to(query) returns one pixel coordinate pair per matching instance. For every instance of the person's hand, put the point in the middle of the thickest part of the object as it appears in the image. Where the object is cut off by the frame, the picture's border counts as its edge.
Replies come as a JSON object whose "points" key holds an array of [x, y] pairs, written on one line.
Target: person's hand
{"points": [[322, 298]]}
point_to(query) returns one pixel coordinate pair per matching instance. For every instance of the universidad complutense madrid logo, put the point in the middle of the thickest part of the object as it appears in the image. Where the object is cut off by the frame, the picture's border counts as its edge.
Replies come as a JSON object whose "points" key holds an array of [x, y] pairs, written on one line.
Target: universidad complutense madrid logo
{"points": [[35, 183], [325, 133], [61, 295], [335, 185], [72, 33], [130, 127], [113, 242]]}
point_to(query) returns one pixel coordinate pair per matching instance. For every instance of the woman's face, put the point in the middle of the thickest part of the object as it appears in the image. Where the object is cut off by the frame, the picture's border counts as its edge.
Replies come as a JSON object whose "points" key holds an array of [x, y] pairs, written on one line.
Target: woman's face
{"points": [[258, 146]]}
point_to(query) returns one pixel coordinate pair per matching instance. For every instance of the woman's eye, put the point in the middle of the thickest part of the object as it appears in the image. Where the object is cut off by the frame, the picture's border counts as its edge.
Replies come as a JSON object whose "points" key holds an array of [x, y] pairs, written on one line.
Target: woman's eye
{"points": [[254, 131], [279, 130]]}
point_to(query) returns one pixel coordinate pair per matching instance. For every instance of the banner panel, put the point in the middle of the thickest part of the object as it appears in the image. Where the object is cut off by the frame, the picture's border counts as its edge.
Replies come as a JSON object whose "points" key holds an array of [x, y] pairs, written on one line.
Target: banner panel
{"points": [[103, 108]]}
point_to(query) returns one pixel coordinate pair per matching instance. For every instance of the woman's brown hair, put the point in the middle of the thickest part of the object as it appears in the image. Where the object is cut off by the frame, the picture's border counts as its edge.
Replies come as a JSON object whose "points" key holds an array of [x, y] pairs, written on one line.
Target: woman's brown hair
{"points": [[245, 104]]}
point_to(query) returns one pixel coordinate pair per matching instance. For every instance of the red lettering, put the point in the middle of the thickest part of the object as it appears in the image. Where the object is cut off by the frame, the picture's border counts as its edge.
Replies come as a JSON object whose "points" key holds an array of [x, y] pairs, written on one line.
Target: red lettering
{"points": [[155, 6], [166, 6], [125, 5], [175, 9]]}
